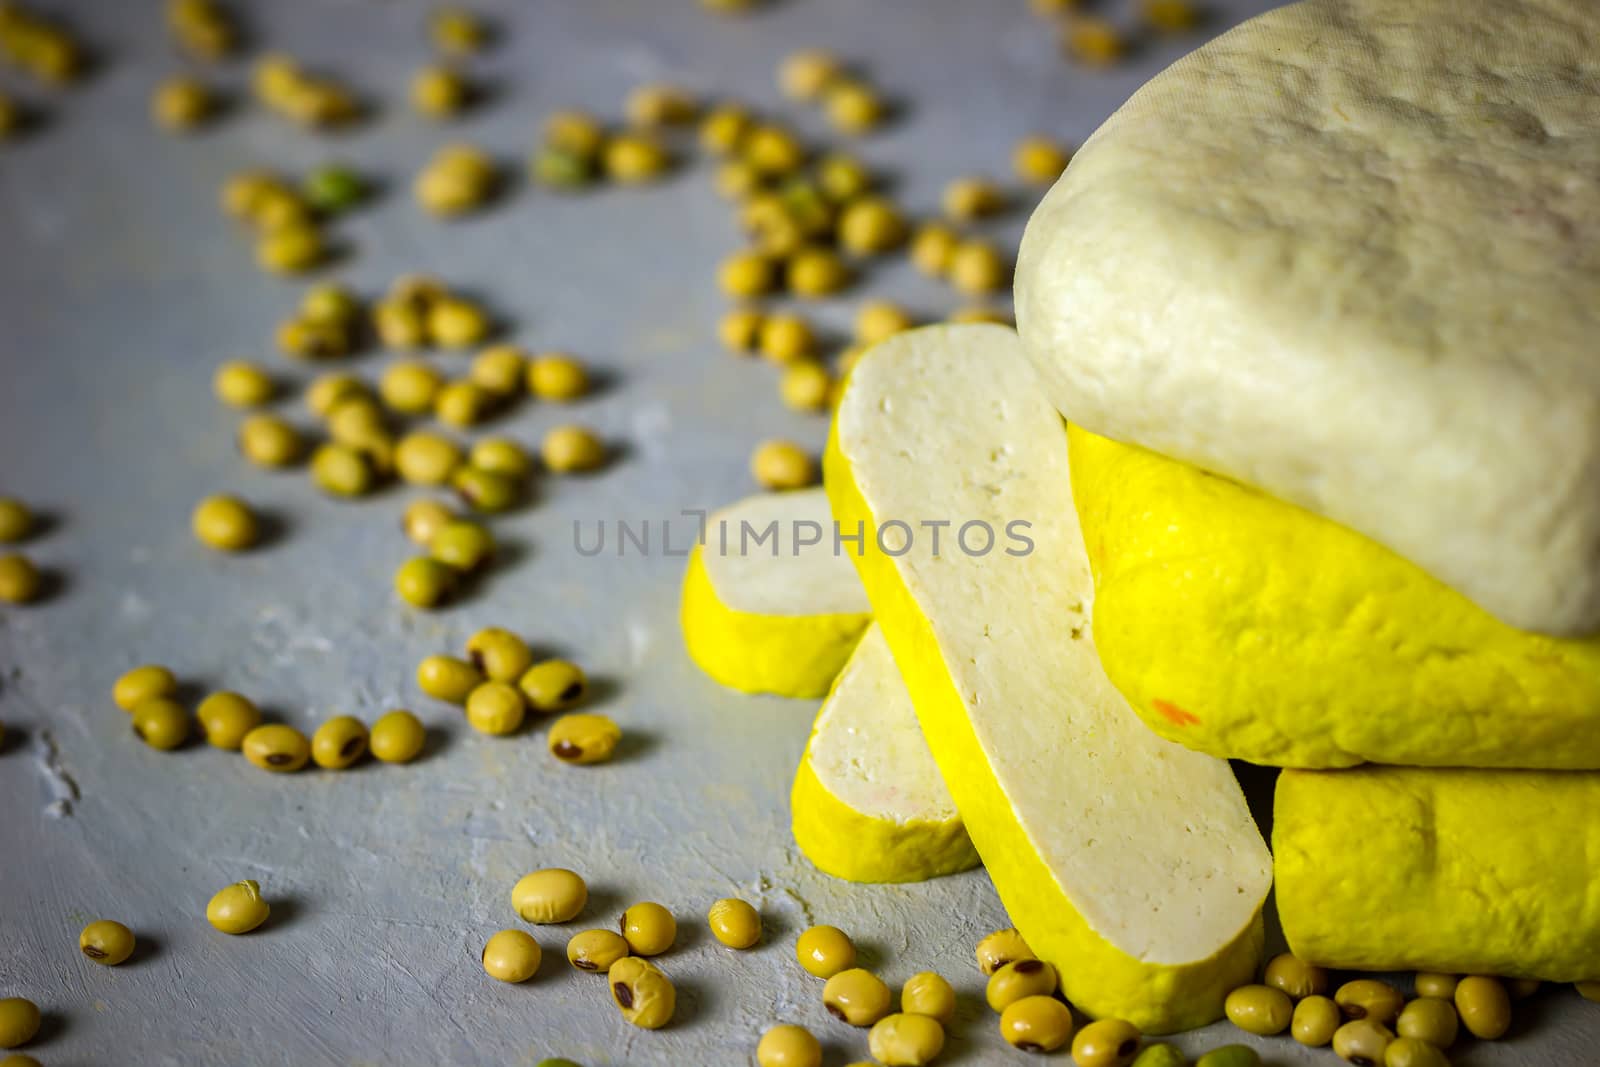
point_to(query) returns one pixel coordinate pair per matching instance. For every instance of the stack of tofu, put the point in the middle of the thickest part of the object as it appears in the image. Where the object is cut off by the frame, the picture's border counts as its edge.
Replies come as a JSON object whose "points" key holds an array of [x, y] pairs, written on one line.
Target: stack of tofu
{"points": [[1296, 461]]}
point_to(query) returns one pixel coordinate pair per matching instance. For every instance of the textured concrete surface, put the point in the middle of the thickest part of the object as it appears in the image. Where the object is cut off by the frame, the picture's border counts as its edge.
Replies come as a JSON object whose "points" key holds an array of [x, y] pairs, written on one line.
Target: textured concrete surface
{"points": [[121, 288]]}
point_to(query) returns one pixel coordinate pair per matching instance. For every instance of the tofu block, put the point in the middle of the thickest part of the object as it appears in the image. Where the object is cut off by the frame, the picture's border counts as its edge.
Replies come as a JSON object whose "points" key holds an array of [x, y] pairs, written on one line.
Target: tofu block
{"points": [[1129, 862], [1457, 871], [1249, 628], [1349, 253], [766, 613], [868, 804]]}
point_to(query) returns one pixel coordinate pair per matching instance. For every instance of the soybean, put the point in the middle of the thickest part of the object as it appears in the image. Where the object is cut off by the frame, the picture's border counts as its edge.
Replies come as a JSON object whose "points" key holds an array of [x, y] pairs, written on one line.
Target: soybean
{"points": [[439, 92], [648, 928], [782, 465], [976, 267], [397, 737], [1367, 998], [16, 521], [1362, 1042], [448, 679], [905, 1040], [553, 685], [424, 582], [1106, 1043], [1259, 1009], [226, 718], [1484, 1006], [410, 387], [511, 956], [556, 377], [463, 545], [270, 441], [824, 951], [334, 189], [180, 104], [878, 319], [739, 330], [498, 370], [461, 404], [788, 1046], [596, 950], [19, 1021], [1000, 948], [1039, 160], [1295, 977], [933, 248], [1094, 41], [842, 178], [734, 923], [572, 450], [786, 338], [20, 580], [724, 128], [853, 107], [634, 158], [643, 994], [1410, 1052], [804, 75], [501, 655], [490, 491], [927, 993], [240, 384], [331, 304], [660, 105], [870, 225], [276, 747], [107, 942], [1036, 1024], [324, 394], [342, 470], [495, 708], [339, 742], [1315, 1020], [1018, 979], [856, 996], [1160, 1056], [141, 684], [966, 199], [747, 274], [583, 739], [551, 895], [293, 249], [161, 723], [225, 523], [423, 519], [1429, 1019], [424, 458], [238, 908]]}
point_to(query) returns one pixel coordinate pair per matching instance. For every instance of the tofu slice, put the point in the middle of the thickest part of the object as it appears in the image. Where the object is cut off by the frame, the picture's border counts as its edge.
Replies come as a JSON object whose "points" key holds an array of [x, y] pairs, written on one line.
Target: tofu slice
{"points": [[868, 804], [763, 612], [1336, 649], [1328, 256], [1129, 862], [1458, 871]]}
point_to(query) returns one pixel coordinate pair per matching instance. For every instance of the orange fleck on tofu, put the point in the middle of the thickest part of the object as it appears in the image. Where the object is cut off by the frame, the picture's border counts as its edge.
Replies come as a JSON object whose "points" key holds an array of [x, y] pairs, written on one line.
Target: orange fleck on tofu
{"points": [[1174, 714]]}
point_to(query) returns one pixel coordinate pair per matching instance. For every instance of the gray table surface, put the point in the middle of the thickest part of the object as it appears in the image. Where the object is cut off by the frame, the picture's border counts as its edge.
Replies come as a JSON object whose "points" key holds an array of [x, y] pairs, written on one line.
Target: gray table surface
{"points": [[121, 288]]}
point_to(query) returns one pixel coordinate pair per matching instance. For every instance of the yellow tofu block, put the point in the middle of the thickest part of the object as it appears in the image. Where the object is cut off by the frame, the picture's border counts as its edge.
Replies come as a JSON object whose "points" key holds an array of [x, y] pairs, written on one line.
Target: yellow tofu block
{"points": [[762, 614], [1249, 628], [1457, 871], [1130, 863], [868, 804]]}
